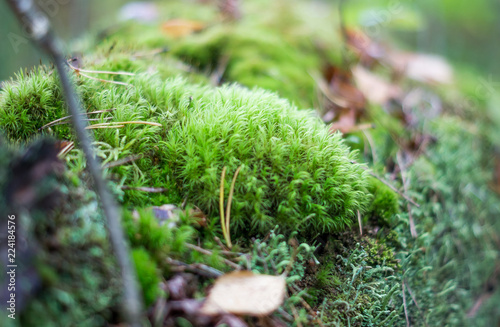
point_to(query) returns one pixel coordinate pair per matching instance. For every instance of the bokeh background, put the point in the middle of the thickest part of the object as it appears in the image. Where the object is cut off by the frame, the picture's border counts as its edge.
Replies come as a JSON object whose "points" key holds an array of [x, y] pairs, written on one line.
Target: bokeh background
{"points": [[466, 32]]}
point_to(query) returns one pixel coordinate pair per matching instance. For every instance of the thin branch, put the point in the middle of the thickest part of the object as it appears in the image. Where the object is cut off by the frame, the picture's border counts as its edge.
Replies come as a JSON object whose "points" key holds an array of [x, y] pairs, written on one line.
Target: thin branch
{"points": [[146, 189], [307, 307], [122, 161], [208, 252], [360, 224], [198, 268], [404, 305], [413, 229], [38, 26], [389, 185], [98, 71], [415, 301], [105, 80]]}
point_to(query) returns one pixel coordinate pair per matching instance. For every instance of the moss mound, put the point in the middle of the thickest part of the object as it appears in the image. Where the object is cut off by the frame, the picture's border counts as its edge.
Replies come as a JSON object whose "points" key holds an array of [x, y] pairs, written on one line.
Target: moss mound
{"points": [[293, 171]]}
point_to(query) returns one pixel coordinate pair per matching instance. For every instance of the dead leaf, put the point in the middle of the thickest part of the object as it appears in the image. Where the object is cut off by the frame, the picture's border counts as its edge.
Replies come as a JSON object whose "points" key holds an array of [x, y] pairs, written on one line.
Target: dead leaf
{"points": [[345, 123], [177, 28], [368, 51], [341, 85], [375, 88], [245, 293], [421, 67]]}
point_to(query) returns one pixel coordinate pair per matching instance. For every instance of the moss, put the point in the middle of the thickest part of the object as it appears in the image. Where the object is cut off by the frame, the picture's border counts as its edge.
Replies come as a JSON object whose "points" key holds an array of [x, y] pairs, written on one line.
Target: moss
{"points": [[259, 58], [205, 129], [28, 101], [68, 273], [358, 284], [384, 204], [148, 275], [457, 244]]}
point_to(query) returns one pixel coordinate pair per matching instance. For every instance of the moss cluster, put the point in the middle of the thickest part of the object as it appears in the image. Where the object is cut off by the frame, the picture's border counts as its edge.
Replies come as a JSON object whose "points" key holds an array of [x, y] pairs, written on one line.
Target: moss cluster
{"points": [[69, 273], [384, 204], [293, 171], [359, 284], [32, 97]]}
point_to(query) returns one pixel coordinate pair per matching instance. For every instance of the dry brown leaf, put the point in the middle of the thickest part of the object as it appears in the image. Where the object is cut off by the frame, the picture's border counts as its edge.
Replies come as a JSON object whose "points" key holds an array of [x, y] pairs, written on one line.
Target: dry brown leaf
{"points": [[245, 293], [368, 51], [375, 88], [342, 86], [345, 123], [180, 27], [421, 67]]}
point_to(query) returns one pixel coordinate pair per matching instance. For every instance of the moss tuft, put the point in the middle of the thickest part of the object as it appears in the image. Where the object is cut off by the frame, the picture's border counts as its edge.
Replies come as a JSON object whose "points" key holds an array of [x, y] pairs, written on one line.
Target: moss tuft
{"points": [[148, 275]]}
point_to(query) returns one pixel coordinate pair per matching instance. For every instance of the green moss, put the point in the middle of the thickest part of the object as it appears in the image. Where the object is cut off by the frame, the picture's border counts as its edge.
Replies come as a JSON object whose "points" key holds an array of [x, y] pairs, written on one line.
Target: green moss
{"points": [[294, 173], [360, 286], [384, 204], [449, 265], [148, 275], [28, 102], [257, 58], [66, 256]]}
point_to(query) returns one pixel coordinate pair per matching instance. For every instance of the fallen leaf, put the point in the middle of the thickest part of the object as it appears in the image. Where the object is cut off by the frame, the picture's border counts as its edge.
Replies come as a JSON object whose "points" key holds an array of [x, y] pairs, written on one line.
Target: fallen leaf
{"points": [[179, 27], [341, 85], [368, 51], [245, 293], [375, 88], [421, 67]]}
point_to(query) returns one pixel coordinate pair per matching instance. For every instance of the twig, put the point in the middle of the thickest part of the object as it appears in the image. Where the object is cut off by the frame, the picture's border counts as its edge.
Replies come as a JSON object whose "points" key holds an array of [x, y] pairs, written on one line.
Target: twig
{"points": [[415, 301], [149, 53], [208, 252], [222, 246], [369, 138], [285, 314], [295, 315], [198, 268], [146, 189], [413, 229], [105, 80], [404, 305], [389, 185], [216, 76], [360, 224], [307, 307], [79, 70], [38, 26], [323, 87], [122, 161]]}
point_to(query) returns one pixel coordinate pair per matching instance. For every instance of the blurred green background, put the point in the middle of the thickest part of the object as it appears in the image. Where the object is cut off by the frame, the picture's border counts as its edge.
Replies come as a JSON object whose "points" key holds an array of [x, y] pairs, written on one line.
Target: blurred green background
{"points": [[466, 32]]}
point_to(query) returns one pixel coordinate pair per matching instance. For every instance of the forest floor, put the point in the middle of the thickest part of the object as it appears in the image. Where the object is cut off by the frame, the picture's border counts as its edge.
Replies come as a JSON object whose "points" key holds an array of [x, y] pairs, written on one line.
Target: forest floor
{"points": [[273, 168]]}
